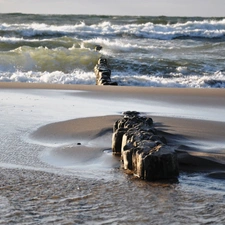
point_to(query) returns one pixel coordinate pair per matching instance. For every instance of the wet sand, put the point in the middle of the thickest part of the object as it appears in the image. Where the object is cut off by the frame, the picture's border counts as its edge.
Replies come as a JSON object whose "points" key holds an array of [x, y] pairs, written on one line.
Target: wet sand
{"points": [[200, 143], [57, 167], [185, 135]]}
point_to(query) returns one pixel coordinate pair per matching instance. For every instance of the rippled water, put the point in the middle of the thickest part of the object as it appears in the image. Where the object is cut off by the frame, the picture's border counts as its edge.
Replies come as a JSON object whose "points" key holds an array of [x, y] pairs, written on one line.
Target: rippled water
{"points": [[31, 197], [39, 193]]}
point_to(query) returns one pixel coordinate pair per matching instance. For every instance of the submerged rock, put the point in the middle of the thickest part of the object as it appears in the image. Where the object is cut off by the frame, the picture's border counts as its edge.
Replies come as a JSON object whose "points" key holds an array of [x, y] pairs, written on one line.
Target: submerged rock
{"points": [[142, 151]]}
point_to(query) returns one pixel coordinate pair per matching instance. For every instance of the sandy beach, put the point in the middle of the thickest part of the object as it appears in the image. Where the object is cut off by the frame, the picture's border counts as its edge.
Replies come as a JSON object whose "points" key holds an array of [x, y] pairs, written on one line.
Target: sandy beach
{"points": [[192, 120], [57, 133]]}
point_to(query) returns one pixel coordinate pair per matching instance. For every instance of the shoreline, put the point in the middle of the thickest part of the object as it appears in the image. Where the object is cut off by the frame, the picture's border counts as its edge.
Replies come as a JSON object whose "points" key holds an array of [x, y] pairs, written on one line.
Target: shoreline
{"points": [[192, 156], [47, 177], [197, 140], [191, 95]]}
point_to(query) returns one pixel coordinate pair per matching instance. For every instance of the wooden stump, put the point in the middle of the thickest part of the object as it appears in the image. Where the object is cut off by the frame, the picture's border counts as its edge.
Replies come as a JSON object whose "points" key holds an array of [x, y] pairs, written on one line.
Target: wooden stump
{"points": [[103, 73], [142, 151]]}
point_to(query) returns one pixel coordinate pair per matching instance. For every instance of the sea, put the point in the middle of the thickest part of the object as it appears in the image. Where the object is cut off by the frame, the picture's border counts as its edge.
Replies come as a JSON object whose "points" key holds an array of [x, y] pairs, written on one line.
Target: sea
{"points": [[182, 52]]}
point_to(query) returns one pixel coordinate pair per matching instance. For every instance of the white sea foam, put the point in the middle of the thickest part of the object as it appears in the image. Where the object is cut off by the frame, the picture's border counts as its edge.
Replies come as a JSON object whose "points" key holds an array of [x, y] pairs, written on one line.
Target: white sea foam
{"points": [[11, 39], [205, 28], [56, 77], [216, 80]]}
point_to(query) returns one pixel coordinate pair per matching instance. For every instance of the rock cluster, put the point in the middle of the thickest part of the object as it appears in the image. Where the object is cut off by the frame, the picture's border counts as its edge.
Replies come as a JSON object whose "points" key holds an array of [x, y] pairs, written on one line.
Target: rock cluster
{"points": [[103, 73], [143, 152]]}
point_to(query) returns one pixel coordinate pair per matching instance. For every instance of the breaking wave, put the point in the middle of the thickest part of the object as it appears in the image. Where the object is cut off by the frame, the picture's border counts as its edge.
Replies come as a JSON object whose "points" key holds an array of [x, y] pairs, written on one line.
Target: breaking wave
{"points": [[142, 51], [191, 29]]}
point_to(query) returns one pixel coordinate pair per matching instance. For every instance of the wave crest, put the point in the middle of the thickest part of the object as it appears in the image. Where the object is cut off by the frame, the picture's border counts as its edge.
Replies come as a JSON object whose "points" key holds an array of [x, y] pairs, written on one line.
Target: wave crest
{"points": [[192, 29]]}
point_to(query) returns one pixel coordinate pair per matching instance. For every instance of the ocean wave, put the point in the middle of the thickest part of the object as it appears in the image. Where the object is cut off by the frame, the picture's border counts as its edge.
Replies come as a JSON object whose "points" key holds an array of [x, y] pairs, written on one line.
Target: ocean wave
{"points": [[141, 51], [55, 77], [26, 58], [191, 29], [123, 57], [216, 80]]}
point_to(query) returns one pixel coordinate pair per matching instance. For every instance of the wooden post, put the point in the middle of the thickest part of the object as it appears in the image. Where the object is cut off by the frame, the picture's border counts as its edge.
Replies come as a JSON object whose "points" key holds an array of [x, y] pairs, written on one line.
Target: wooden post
{"points": [[144, 153], [103, 73]]}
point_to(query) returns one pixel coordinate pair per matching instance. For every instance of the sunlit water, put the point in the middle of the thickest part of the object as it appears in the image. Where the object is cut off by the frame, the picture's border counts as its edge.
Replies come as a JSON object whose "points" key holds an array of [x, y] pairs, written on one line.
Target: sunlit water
{"points": [[141, 51]]}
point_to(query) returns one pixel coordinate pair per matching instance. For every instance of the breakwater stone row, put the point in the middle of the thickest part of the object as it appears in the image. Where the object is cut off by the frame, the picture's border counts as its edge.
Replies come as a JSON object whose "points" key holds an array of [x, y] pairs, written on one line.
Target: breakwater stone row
{"points": [[143, 152]]}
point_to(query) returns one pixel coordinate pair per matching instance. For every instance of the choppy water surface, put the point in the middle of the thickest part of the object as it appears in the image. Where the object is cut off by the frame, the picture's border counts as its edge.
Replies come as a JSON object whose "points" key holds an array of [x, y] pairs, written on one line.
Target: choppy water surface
{"points": [[142, 51]]}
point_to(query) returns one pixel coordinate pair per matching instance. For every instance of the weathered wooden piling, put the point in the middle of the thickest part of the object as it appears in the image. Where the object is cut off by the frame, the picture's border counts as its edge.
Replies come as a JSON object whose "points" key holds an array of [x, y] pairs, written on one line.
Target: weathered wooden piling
{"points": [[142, 151], [103, 73], [98, 47]]}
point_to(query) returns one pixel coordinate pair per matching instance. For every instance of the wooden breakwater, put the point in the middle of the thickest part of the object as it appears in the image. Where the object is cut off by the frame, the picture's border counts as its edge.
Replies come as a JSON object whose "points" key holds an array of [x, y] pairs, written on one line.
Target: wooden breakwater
{"points": [[102, 71], [143, 152]]}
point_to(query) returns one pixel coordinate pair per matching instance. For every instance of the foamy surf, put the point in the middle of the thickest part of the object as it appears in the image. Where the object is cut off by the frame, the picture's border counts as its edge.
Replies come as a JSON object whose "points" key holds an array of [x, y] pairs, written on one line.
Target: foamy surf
{"points": [[141, 51], [216, 80]]}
